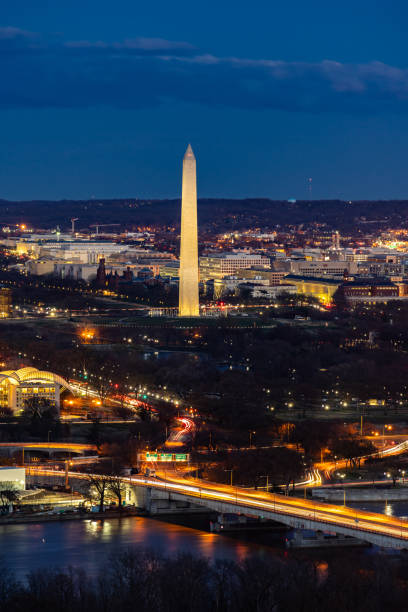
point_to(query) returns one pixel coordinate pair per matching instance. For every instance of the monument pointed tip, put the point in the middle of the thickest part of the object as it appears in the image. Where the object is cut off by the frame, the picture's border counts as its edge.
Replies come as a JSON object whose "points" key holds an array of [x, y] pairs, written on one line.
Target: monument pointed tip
{"points": [[189, 152]]}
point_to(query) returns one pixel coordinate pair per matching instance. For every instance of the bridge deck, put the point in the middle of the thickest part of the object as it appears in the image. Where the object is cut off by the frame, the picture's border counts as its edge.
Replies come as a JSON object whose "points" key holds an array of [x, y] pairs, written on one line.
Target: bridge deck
{"points": [[300, 513]]}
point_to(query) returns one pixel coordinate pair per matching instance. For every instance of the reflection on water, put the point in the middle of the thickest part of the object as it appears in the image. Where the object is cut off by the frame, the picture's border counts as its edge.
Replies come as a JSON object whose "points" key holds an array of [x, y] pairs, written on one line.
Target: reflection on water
{"points": [[398, 509], [89, 543], [322, 571], [388, 510]]}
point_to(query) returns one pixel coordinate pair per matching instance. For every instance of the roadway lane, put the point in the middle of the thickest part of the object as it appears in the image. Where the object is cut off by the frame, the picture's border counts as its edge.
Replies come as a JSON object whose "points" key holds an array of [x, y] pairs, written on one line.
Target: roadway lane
{"points": [[181, 436], [257, 502], [329, 466], [68, 446]]}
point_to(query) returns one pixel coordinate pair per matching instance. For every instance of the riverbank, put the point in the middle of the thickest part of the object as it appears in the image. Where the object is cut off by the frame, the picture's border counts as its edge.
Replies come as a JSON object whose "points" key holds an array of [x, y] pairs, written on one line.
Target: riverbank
{"points": [[51, 517]]}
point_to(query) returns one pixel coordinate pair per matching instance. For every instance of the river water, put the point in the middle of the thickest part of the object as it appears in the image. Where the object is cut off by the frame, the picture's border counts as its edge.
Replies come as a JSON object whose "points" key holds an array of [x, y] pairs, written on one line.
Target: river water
{"points": [[89, 543]]}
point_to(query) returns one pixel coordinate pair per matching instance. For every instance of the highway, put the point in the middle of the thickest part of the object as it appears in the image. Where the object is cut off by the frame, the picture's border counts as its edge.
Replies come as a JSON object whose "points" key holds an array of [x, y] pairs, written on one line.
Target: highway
{"points": [[181, 436], [296, 512], [66, 446], [289, 510], [328, 467]]}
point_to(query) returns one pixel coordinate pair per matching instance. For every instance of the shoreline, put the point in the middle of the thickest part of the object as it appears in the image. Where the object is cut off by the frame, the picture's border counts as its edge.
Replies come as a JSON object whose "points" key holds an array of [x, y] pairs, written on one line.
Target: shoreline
{"points": [[74, 516]]}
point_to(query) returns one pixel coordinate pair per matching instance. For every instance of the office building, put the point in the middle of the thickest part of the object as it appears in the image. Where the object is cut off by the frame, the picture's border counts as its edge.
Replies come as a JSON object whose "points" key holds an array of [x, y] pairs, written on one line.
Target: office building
{"points": [[219, 265]]}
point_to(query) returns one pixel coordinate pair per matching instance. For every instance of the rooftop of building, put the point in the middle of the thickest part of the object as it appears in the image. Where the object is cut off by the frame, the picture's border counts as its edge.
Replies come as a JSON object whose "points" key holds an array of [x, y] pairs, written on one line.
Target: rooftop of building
{"points": [[315, 279], [232, 255], [373, 281], [370, 282], [11, 467]]}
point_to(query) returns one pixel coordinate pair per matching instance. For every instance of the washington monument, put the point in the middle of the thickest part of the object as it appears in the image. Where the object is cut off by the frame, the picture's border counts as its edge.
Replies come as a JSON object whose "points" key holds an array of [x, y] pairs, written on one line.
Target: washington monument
{"points": [[188, 291]]}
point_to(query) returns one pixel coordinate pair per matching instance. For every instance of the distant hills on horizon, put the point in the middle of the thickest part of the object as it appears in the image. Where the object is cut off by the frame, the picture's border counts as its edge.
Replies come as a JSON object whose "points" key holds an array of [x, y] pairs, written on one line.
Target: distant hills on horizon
{"points": [[214, 214]]}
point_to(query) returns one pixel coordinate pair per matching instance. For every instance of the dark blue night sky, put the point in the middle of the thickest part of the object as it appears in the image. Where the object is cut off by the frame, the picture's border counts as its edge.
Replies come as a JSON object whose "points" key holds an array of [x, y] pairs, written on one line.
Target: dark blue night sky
{"points": [[100, 98]]}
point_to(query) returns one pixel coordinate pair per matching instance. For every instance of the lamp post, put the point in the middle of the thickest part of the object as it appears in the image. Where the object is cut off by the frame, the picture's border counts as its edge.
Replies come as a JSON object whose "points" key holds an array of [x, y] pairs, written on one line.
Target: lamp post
{"points": [[231, 471], [267, 482]]}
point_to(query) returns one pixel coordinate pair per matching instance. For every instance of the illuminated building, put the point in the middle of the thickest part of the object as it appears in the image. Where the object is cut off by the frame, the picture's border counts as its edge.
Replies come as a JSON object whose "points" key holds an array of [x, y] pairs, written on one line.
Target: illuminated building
{"points": [[367, 291], [336, 241], [224, 264], [274, 277], [5, 302], [12, 478], [41, 266], [16, 386], [232, 285], [372, 291], [81, 251], [323, 268], [271, 293], [322, 289], [188, 284], [170, 270]]}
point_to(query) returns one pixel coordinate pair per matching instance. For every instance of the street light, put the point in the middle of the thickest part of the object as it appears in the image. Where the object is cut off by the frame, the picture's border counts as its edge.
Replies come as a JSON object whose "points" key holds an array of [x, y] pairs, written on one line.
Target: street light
{"points": [[267, 482], [231, 470]]}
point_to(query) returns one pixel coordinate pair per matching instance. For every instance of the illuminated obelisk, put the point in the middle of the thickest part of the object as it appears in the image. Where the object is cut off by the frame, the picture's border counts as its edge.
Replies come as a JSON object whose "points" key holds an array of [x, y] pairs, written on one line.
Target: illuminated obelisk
{"points": [[188, 290]]}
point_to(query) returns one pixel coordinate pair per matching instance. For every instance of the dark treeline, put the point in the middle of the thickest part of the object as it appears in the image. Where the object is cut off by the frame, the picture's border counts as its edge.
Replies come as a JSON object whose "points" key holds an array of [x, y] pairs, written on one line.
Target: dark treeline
{"points": [[213, 213], [145, 582], [238, 379]]}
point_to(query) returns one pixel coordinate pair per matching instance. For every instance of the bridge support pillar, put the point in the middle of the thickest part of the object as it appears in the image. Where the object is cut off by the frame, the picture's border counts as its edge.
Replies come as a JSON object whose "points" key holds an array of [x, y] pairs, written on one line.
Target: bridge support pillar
{"points": [[321, 539], [159, 501]]}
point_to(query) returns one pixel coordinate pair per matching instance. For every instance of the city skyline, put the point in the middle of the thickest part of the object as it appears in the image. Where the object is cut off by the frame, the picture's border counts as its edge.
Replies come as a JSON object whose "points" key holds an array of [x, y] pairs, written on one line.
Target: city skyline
{"points": [[204, 403]]}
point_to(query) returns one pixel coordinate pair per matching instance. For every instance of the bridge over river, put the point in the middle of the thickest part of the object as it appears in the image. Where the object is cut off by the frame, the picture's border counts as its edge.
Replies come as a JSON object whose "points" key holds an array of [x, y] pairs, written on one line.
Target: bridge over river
{"points": [[49, 447], [174, 491]]}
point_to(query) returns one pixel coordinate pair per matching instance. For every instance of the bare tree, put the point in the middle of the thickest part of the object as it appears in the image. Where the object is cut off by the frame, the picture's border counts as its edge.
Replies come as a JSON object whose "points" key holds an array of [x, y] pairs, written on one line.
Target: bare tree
{"points": [[8, 495], [103, 388], [98, 486], [117, 488]]}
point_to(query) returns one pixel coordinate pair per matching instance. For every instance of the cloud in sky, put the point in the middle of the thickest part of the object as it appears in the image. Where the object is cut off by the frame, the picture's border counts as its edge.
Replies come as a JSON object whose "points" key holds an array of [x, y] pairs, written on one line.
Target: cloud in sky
{"points": [[144, 72]]}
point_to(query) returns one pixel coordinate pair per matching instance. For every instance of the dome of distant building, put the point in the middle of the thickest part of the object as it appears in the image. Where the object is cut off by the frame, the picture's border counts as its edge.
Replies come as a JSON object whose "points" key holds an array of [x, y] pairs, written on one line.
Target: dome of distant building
{"points": [[17, 386]]}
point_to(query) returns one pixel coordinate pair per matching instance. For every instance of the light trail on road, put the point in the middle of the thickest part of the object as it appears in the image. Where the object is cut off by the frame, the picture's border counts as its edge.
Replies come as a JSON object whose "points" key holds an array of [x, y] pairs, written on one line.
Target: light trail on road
{"points": [[181, 437], [256, 502], [329, 466], [50, 445]]}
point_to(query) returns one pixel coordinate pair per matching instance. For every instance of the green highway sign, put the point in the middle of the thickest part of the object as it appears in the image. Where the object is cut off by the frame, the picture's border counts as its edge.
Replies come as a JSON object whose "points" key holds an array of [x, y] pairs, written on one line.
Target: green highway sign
{"points": [[180, 457], [151, 456], [166, 457]]}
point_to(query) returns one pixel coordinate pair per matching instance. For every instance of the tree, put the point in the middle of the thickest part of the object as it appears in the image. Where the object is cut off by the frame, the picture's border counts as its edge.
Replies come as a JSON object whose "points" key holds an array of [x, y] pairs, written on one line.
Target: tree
{"points": [[94, 434], [37, 408], [117, 488], [103, 388], [40, 414], [98, 486], [352, 450], [281, 465], [8, 495], [123, 412]]}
